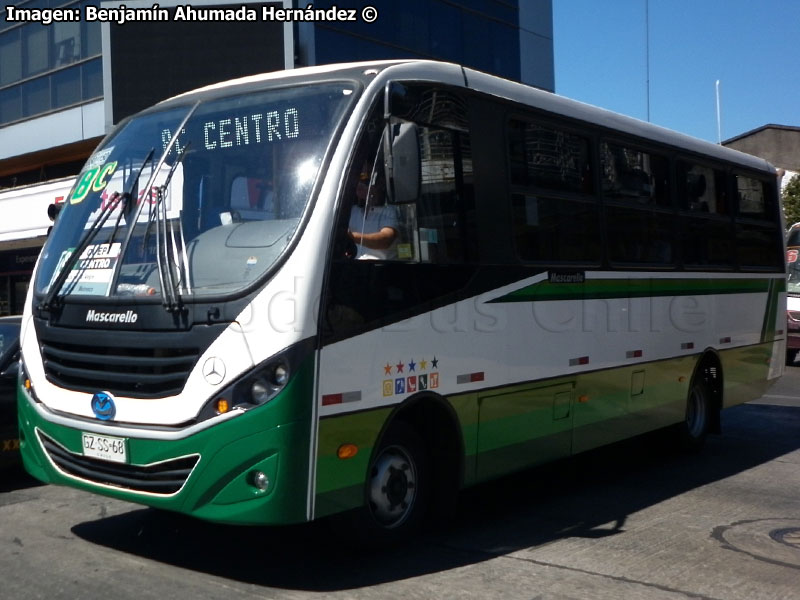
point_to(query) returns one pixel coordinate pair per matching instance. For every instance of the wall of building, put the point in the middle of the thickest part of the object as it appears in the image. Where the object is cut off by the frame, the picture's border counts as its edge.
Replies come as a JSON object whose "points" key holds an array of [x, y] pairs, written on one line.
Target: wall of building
{"points": [[780, 145], [24, 225], [510, 39]]}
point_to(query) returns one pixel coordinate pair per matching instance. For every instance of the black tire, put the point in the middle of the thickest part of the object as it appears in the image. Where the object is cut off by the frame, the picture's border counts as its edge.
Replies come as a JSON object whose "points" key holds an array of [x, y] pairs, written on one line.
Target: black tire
{"points": [[692, 432], [396, 490]]}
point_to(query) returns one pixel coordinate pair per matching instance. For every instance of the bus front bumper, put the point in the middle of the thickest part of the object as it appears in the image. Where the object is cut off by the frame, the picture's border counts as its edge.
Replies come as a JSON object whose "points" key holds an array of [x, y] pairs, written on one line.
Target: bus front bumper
{"points": [[238, 471]]}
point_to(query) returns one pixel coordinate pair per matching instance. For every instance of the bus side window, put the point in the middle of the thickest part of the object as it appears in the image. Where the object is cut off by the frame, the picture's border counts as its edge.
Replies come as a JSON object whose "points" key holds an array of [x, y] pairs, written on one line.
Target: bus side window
{"points": [[446, 223]]}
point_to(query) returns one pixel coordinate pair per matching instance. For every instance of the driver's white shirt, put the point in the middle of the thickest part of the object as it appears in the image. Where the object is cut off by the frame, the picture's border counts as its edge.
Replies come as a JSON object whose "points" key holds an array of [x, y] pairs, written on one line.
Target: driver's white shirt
{"points": [[377, 218]]}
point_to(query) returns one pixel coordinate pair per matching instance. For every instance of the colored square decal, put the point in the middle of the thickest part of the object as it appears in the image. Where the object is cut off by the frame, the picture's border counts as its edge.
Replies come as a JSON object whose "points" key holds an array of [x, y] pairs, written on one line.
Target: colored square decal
{"points": [[411, 384], [400, 386], [388, 387], [423, 381], [434, 380]]}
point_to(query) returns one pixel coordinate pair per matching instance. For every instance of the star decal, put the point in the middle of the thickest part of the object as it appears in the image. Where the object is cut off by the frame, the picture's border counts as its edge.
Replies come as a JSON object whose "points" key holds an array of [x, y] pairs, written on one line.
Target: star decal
{"points": [[435, 363], [412, 366], [399, 366], [423, 364], [387, 370]]}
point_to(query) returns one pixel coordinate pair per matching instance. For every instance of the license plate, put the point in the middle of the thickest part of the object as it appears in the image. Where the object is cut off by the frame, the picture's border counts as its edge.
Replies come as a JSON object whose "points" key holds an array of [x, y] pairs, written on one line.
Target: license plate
{"points": [[105, 447]]}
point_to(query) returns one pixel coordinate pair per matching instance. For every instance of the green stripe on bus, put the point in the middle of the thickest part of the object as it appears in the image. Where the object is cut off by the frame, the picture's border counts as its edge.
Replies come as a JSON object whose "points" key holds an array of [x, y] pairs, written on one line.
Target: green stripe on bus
{"points": [[598, 289]]}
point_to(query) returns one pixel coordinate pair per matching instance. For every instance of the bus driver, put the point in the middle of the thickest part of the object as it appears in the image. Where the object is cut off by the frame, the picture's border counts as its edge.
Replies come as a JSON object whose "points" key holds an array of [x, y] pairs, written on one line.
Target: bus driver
{"points": [[373, 224]]}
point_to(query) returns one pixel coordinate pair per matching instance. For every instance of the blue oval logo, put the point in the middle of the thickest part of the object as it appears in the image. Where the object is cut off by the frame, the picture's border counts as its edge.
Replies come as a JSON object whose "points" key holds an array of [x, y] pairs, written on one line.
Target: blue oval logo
{"points": [[103, 406]]}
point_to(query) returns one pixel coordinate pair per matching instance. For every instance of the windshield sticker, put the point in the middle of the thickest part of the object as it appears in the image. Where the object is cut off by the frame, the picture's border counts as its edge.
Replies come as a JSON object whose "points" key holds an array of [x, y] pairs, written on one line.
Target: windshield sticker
{"points": [[94, 179], [94, 270], [62, 260], [99, 158]]}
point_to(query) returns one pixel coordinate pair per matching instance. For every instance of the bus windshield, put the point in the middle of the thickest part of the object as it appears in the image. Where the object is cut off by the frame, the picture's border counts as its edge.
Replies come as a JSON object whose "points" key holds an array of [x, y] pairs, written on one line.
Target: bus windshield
{"points": [[193, 201]]}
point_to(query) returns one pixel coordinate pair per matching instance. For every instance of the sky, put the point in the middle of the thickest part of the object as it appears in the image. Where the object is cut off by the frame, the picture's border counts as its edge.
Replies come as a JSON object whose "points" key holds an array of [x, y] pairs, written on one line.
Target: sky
{"points": [[752, 47]]}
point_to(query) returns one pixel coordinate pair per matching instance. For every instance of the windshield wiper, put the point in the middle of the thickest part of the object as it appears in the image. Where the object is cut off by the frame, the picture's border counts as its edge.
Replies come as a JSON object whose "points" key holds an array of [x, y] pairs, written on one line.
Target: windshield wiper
{"points": [[170, 294], [129, 194], [90, 234], [171, 304]]}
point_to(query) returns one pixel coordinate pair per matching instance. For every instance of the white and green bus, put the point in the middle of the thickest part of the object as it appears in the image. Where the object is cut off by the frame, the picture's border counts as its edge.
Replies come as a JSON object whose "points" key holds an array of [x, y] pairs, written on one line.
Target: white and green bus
{"points": [[204, 335]]}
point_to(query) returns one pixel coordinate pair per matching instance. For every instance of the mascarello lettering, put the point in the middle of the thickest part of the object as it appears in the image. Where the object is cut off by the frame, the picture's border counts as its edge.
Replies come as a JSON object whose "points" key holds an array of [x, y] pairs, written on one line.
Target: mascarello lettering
{"points": [[94, 316]]}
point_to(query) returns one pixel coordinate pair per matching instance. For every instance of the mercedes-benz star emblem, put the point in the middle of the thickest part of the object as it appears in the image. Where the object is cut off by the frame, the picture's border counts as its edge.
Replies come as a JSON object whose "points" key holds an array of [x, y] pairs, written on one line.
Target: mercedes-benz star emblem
{"points": [[214, 370]]}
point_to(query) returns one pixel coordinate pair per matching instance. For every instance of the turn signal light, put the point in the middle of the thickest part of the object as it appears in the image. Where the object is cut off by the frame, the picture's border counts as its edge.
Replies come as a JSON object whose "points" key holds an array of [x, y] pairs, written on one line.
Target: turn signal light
{"points": [[222, 406], [346, 451]]}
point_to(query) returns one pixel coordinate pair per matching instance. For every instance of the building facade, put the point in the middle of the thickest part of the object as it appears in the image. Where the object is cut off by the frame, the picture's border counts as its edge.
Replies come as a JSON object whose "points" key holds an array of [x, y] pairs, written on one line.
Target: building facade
{"points": [[64, 81], [778, 144]]}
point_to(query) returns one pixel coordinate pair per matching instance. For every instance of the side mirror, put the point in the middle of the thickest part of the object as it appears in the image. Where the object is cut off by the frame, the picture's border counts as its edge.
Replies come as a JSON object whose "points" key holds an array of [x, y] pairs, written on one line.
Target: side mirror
{"points": [[401, 162], [53, 210]]}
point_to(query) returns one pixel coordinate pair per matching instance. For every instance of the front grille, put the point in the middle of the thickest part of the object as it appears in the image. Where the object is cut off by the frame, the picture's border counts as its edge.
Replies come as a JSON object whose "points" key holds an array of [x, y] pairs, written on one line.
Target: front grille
{"points": [[133, 372], [164, 478]]}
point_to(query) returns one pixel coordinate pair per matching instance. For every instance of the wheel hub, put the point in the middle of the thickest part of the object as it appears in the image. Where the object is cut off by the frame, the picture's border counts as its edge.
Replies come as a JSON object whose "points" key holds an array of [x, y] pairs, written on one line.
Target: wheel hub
{"points": [[393, 487]]}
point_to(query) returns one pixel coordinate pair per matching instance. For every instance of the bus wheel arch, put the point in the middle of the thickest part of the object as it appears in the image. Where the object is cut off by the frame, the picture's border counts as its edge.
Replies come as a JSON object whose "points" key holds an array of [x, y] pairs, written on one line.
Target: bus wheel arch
{"points": [[434, 419], [422, 437]]}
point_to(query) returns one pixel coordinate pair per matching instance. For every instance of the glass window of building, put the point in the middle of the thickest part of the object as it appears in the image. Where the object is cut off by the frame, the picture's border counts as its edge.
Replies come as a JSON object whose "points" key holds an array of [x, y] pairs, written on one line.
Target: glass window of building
{"points": [[48, 68]]}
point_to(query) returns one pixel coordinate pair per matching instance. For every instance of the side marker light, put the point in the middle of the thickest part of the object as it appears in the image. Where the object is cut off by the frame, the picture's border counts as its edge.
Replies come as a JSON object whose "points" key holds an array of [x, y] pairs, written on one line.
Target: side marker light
{"points": [[346, 451]]}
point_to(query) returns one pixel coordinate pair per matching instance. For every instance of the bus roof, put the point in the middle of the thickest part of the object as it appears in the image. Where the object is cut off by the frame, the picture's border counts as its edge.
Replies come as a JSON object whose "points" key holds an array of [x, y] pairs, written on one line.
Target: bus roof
{"points": [[452, 74]]}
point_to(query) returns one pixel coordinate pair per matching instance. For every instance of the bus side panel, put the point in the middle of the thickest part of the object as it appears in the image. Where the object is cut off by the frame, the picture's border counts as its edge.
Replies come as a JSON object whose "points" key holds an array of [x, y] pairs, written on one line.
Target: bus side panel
{"points": [[521, 426], [745, 373], [340, 482], [749, 371]]}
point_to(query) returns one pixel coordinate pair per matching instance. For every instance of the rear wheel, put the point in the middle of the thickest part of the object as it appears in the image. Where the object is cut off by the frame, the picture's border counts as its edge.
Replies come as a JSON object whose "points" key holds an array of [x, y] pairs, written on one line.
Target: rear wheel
{"points": [[694, 429]]}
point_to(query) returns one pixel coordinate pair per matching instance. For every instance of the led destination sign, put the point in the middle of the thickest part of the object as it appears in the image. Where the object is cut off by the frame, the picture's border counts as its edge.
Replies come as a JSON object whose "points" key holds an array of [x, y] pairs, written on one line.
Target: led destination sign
{"points": [[238, 131]]}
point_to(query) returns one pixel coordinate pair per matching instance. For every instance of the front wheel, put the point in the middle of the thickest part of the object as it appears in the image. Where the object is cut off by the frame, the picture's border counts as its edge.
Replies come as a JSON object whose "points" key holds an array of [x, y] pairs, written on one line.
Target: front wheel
{"points": [[396, 490]]}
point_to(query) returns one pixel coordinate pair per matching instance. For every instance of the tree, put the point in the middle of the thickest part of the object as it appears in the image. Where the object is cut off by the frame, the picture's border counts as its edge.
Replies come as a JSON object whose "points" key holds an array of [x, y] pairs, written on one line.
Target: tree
{"points": [[791, 200]]}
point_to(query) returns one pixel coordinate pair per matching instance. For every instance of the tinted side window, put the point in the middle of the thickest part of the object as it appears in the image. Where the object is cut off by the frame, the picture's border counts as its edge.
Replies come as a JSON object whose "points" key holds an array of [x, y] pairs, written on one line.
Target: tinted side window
{"points": [[634, 176], [555, 214], [640, 221], [751, 198], [640, 236], [757, 231], [706, 226], [548, 158], [702, 189], [446, 229], [555, 229]]}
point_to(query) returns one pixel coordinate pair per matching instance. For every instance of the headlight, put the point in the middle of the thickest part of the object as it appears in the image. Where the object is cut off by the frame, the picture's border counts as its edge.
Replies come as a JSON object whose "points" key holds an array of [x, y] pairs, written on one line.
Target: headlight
{"points": [[280, 375], [260, 385], [260, 391]]}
